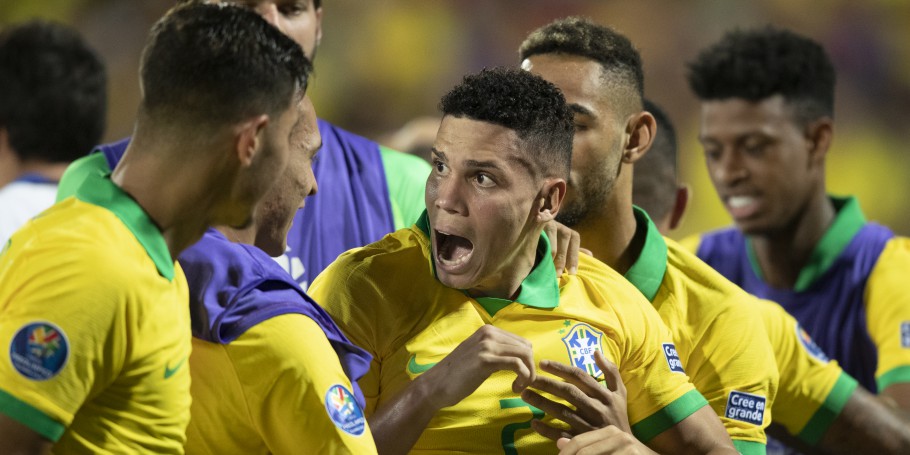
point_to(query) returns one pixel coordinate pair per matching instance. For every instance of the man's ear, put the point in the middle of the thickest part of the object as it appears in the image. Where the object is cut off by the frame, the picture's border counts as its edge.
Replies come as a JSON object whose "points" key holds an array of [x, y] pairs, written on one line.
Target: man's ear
{"points": [[818, 136], [679, 206], [248, 138], [318, 27], [640, 129], [550, 199]]}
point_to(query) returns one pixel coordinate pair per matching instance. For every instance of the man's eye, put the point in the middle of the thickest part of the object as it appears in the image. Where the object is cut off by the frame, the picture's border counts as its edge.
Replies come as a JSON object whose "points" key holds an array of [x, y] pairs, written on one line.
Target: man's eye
{"points": [[485, 180]]}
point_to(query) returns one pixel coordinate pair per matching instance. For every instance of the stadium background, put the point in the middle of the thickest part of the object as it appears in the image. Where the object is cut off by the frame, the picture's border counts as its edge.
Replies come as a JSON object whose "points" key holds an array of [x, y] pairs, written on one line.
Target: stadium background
{"points": [[383, 62]]}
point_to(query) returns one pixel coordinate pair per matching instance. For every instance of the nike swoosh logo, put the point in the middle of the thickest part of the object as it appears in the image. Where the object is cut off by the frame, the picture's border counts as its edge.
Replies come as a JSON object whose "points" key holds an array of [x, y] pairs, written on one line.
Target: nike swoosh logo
{"points": [[168, 371], [417, 368]]}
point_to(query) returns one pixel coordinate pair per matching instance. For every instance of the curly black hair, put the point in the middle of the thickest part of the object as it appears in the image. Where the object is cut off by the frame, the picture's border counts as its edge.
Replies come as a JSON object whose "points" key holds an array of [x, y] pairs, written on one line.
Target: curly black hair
{"points": [[758, 64], [523, 102], [621, 62], [654, 181], [53, 92]]}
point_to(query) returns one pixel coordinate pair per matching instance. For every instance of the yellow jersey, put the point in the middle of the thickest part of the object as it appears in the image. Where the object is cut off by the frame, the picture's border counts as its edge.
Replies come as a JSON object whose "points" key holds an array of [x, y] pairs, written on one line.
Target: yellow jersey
{"points": [[387, 300], [95, 328], [713, 321]]}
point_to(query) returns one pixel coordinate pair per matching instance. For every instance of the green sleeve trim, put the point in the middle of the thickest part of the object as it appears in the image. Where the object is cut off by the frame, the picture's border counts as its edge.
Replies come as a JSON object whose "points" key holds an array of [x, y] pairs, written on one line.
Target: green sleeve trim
{"points": [[834, 403], [406, 178], [27, 415], [749, 447], [893, 376], [670, 415]]}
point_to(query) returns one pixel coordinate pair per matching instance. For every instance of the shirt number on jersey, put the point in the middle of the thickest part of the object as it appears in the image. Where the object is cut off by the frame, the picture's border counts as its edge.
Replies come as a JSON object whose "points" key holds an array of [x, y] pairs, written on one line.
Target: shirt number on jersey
{"points": [[508, 431]]}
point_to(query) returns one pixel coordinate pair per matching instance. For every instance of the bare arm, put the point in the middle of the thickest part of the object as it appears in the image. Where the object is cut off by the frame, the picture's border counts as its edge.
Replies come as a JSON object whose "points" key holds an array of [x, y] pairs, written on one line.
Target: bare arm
{"points": [[700, 433], [20, 439], [399, 422], [867, 425]]}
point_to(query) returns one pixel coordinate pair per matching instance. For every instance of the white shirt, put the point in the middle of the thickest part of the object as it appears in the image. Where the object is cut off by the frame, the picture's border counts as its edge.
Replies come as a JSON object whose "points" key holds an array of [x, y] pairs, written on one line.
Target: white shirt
{"points": [[20, 201]]}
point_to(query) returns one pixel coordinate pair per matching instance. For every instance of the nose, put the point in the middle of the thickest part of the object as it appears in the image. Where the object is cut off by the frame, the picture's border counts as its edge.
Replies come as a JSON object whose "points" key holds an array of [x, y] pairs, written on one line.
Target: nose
{"points": [[269, 12], [448, 196], [730, 168]]}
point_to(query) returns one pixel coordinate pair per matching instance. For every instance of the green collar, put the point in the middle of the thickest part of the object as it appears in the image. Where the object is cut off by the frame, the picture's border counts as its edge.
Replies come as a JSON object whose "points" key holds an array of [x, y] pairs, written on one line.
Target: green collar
{"points": [[101, 191], [648, 270], [540, 289], [848, 221]]}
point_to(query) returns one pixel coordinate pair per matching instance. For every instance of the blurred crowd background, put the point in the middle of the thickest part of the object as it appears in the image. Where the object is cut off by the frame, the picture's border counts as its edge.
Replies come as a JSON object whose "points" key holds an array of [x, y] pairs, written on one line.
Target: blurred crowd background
{"points": [[385, 62]]}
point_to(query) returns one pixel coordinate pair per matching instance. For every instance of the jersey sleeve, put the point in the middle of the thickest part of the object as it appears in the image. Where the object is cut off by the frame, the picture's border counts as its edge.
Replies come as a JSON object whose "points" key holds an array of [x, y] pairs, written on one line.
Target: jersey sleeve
{"points": [[888, 313], [305, 404], [77, 172], [659, 392], [333, 291], [813, 390], [406, 177], [62, 332], [739, 377]]}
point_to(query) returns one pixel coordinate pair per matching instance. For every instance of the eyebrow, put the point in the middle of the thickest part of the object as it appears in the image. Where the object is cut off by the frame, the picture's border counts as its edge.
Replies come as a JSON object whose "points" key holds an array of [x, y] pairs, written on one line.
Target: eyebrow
{"points": [[579, 109]]}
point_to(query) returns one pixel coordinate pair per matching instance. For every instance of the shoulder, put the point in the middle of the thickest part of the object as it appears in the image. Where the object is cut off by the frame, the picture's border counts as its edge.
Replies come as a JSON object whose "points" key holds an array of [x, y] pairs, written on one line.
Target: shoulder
{"points": [[688, 274], [603, 288]]}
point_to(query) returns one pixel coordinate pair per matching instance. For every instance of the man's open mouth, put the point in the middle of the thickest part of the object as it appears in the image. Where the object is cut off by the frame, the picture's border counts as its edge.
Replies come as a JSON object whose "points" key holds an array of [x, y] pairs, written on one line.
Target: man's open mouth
{"points": [[452, 250]]}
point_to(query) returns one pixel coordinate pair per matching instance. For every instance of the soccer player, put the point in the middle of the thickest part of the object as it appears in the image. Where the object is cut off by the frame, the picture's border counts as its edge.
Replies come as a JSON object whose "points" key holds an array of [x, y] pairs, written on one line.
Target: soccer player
{"points": [[816, 401], [292, 383], [53, 98], [457, 310], [725, 353], [367, 190], [767, 98], [93, 309]]}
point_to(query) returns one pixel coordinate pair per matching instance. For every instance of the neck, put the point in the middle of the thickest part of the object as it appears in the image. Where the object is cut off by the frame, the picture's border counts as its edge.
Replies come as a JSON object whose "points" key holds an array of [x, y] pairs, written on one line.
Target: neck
{"points": [[16, 169], [506, 282], [177, 195], [609, 233], [783, 253]]}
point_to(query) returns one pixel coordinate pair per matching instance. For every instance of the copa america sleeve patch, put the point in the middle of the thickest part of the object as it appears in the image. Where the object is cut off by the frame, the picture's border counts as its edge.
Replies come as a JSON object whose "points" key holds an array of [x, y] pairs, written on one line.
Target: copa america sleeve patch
{"points": [[673, 358], [905, 334], [745, 407], [344, 410], [809, 345], [39, 350]]}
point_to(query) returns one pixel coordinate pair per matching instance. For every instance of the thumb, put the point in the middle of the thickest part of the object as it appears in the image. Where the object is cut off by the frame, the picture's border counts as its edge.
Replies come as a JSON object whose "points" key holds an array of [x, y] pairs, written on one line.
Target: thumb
{"points": [[611, 373]]}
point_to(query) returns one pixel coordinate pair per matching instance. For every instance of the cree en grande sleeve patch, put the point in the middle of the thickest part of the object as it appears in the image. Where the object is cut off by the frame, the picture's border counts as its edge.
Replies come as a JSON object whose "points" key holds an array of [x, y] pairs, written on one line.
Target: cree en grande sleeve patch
{"points": [[39, 350], [745, 407], [673, 358]]}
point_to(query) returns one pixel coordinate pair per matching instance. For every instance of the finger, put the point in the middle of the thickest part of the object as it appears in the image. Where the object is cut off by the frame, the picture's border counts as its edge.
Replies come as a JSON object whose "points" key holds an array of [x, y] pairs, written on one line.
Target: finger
{"points": [[606, 440], [585, 251], [551, 229], [575, 376], [549, 431], [561, 442], [489, 332], [611, 373], [517, 359], [572, 255], [557, 410], [560, 245]]}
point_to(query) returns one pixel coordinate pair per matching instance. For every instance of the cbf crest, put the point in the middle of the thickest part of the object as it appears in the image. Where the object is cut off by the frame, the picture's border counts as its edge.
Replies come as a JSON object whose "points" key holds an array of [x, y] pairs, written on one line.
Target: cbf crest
{"points": [[582, 342]]}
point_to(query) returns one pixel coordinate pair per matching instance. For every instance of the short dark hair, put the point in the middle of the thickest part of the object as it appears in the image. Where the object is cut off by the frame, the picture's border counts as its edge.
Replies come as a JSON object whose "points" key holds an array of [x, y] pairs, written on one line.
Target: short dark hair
{"points": [[214, 64], [620, 61], [757, 64], [655, 175], [53, 92], [523, 102]]}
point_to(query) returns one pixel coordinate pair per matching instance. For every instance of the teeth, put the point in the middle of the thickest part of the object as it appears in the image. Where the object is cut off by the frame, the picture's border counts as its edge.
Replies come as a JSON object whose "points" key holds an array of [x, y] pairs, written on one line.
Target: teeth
{"points": [[740, 201]]}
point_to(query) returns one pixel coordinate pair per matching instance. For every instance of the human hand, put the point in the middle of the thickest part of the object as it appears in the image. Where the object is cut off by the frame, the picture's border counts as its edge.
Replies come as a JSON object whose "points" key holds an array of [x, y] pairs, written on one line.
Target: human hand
{"points": [[595, 406], [609, 440], [486, 351], [565, 244]]}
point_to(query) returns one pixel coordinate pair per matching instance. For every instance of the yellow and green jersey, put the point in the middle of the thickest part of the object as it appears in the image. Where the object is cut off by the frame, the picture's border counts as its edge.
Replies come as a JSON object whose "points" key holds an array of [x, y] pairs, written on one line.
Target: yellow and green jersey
{"points": [[725, 352], [386, 299], [95, 328], [269, 391]]}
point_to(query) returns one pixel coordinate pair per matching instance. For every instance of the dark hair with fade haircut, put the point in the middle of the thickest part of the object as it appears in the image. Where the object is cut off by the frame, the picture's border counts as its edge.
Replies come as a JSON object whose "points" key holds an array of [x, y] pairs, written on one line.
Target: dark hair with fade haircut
{"points": [[761, 63], [212, 64], [523, 102], [53, 92], [655, 175], [579, 36]]}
